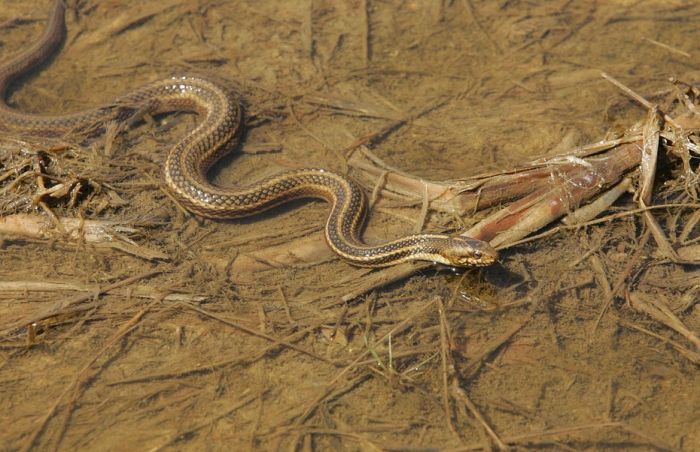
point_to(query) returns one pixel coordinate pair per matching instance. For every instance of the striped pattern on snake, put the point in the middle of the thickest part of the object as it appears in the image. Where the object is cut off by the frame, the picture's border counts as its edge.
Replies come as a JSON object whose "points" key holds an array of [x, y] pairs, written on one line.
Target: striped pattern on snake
{"points": [[187, 163]]}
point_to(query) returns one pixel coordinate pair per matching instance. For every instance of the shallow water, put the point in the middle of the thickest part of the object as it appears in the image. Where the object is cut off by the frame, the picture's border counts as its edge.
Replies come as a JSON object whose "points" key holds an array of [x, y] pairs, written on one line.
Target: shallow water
{"points": [[530, 342]]}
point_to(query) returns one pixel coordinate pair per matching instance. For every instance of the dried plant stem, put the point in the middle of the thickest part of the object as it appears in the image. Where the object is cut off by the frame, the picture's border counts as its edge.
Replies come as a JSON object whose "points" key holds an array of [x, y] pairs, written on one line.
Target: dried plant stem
{"points": [[64, 305]]}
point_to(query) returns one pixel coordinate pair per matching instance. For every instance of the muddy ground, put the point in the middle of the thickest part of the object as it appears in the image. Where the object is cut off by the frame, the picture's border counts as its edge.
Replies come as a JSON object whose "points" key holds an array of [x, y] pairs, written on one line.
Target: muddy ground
{"points": [[171, 351]]}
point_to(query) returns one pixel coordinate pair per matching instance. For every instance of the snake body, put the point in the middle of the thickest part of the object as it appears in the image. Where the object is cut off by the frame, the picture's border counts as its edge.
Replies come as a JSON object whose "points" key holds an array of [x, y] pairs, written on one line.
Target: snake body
{"points": [[187, 163]]}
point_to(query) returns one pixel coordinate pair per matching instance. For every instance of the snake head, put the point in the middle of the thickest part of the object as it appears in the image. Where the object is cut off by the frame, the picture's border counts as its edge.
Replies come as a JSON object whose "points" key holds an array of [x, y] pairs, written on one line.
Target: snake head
{"points": [[468, 252]]}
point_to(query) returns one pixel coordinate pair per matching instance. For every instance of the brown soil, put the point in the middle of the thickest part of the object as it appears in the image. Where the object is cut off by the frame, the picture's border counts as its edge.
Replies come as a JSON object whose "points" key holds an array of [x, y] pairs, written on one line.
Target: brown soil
{"points": [[177, 353]]}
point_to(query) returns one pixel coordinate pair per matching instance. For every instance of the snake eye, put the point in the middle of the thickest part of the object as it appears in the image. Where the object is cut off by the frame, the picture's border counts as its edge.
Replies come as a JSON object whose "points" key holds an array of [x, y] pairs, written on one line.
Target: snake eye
{"points": [[477, 254]]}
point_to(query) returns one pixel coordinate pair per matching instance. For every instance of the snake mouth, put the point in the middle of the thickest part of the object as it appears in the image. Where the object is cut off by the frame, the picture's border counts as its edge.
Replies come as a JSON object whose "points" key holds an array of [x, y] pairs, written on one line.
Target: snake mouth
{"points": [[477, 263]]}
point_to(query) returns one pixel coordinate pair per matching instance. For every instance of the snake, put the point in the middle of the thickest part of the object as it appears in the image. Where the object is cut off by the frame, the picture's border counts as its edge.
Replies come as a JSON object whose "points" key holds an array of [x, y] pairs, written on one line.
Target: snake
{"points": [[220, 118]]}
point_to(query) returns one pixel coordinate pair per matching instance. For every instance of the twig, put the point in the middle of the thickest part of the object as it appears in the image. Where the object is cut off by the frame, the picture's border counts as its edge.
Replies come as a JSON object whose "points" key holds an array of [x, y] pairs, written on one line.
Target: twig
{"points": [[620, 281], [256, 333], [366, 33], [420, 222], [692, 356], [637, 97], [667, 47], [446, 363], [287, 310], [61, 307], [650, 151], [378, 186], [606, 219], [659, 311], [462, 395], [565, 431], [601, 204]]}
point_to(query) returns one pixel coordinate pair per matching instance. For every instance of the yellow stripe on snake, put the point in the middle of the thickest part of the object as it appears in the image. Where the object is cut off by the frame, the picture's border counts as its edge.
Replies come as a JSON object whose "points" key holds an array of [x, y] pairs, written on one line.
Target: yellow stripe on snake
{"points": [[187, 163]]}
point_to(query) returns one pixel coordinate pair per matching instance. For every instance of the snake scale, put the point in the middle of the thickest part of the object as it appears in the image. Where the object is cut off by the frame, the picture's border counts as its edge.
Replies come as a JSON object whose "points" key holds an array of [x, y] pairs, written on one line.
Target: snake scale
{"points": [[186, 165]]}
